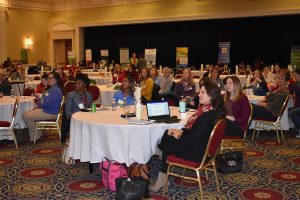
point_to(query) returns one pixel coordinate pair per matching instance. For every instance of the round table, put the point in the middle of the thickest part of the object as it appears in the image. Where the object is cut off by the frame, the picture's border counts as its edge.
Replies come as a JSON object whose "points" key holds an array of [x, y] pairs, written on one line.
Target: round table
{"points": [[105, 134], [7, 105]]}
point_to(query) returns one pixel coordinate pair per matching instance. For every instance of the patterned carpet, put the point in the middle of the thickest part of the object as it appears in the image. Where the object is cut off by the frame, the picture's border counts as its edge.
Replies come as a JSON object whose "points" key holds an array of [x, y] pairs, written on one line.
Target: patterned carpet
{"points": [[272, 171]]}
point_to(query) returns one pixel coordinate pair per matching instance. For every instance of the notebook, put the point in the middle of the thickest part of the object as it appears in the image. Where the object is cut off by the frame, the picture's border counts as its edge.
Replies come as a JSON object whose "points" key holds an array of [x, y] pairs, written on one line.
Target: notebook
{"points": [[160, 112]]}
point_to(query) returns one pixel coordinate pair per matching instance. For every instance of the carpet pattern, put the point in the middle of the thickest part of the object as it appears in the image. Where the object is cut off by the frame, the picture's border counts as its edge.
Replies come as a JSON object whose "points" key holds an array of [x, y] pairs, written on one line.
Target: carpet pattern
{"points": [[271, 171]]}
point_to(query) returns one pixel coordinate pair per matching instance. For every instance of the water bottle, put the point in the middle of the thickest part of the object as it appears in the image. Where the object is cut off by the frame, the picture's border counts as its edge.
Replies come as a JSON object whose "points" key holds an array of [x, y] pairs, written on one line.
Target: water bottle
{"points": [[113, 105]]}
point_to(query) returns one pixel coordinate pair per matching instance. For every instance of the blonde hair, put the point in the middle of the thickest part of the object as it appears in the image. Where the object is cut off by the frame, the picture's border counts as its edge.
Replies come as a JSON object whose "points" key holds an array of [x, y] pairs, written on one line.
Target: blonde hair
{"points": [[191, 80], [237, 89]]}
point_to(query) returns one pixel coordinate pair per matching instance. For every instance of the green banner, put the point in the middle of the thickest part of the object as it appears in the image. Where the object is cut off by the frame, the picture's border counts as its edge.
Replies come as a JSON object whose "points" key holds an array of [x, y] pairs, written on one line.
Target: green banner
{"points": [[24, 56], [295, 57]]}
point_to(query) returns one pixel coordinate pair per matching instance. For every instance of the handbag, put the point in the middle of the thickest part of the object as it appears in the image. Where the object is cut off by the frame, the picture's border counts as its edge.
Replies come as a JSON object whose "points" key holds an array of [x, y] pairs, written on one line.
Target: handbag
{"points": [[231, 161], [111, 170], [135, 188], [65, 155], [136, 169], [21, 133]]}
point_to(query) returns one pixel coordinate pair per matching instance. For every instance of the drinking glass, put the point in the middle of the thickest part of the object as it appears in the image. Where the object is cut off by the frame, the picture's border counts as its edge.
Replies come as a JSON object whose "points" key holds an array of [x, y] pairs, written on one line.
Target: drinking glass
{"points": [[126, 111]]}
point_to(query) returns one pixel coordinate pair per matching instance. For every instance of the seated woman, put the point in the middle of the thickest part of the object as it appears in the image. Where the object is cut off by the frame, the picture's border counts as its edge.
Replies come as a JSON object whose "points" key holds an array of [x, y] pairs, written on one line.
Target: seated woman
{"points": [[270, 108], [48, 107], [127, 91], [5, 85], [258, 83], [78, 99], [237, 107], [146, 85], [215, 73], [190, 142], [116, 72], [154, 74], [130, 71], [19, 74], [40, 88], [185, 88], [165, 82], [294, 113]]}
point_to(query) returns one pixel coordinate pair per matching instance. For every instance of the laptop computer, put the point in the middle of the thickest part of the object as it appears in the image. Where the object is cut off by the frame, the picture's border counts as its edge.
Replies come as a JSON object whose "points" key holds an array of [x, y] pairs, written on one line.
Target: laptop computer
{"points": [[160, 112]]}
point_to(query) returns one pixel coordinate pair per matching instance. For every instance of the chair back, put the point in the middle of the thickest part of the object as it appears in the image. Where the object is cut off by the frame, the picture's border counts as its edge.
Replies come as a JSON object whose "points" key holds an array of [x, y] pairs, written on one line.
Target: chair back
{"points": [[14, 112], [69, 86], [196, 76], [179, 71], [214, 141], [28, 91], [242, 72], [36, 78], [95, 91], [178, 75], [60, 109], [225, 73], [249, 120], [285, 103]]}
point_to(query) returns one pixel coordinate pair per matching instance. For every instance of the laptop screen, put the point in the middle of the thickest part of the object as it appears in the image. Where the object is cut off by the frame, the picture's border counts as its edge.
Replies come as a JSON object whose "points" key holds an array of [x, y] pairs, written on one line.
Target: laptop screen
{"points": [[158, 110]]}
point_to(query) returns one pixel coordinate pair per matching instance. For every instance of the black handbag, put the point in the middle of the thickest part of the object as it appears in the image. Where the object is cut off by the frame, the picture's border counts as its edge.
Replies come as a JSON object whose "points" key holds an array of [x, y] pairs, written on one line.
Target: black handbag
{"points": [[21, 134], [134, 188], [231, 161]]}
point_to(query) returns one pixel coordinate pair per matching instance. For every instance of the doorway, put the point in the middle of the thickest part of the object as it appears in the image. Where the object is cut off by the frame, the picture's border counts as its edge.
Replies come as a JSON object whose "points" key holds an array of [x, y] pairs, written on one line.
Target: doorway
{"points": [[60, 51]]}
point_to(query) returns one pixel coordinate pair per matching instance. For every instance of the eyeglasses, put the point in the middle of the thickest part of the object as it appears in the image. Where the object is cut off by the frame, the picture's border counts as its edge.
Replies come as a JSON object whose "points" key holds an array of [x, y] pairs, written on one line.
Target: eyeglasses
{"points": [[50, 78]]}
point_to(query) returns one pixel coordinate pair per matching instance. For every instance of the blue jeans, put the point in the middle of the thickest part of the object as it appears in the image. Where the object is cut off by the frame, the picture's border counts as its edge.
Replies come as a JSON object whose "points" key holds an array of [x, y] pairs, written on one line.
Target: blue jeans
{"points": [[294, 114]]}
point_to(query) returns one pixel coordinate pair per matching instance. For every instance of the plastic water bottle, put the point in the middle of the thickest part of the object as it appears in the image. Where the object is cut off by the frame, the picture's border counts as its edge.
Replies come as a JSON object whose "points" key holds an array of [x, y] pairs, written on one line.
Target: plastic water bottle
{"points": [[113, 105]]}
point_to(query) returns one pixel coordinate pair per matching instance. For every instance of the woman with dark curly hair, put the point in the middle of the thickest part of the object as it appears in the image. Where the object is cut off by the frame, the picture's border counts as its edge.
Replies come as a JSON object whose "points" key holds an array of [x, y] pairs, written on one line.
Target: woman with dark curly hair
{"points": [[190, 142]]}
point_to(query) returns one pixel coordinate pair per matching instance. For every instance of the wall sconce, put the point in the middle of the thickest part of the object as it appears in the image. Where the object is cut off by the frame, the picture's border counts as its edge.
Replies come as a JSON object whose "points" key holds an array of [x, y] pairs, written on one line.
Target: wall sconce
{"points": [[28, 43]]}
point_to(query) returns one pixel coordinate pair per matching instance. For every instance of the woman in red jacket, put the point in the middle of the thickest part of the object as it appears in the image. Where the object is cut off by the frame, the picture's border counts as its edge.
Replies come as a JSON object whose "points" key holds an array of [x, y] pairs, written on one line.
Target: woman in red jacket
{"points": [[237, 107]]}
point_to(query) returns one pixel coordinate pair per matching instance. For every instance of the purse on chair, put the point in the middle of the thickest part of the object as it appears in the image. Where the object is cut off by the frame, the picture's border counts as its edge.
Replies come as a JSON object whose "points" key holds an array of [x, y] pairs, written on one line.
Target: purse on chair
{"points": [[134, 188], [231, 161]]}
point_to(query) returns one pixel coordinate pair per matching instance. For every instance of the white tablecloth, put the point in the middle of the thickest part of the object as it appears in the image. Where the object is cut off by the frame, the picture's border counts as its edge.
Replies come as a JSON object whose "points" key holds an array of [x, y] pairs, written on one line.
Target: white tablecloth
{"points": [[28, 84], [106, 95], [105, 134], [6, 109], [284, 122]]}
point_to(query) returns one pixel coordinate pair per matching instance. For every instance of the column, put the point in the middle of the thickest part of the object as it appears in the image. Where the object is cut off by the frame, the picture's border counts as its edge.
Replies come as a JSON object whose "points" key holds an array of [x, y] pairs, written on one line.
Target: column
{"points": [[3, 55]]}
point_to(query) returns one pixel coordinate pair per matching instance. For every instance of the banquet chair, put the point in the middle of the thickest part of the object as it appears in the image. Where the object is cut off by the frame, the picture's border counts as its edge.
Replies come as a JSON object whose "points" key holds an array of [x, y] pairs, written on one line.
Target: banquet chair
{"points": [[36, 78], [225, 73], [178, 76], [196, 76], [6, 128], [95, 91], [262, 124], [236, 142], [242, 72], [207, 163], [69, 87], [28, 91], [179, 71], [52, 124]]}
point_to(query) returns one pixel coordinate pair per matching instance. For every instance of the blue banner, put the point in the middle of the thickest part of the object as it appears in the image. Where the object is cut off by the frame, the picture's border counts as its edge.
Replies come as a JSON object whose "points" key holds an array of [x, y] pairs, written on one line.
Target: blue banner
{"points": [[224, 53]]}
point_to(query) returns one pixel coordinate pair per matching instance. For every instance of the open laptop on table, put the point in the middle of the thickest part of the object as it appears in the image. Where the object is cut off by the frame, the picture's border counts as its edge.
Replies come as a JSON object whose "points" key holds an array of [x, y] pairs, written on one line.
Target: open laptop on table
{"points": [[160, 112]]}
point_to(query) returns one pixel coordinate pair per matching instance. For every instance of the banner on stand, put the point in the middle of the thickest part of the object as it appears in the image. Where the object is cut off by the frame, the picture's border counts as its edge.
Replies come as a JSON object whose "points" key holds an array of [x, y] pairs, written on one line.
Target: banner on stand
{"points": [[224, 53], [182, 56], [124, 55], [71, 57], [150, 56], [88, 55], [295, 57]]}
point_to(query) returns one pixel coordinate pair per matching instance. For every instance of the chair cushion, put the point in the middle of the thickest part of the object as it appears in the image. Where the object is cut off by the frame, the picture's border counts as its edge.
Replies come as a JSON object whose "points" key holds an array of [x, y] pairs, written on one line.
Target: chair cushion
{"points": [[4, 124], [174, 159]]}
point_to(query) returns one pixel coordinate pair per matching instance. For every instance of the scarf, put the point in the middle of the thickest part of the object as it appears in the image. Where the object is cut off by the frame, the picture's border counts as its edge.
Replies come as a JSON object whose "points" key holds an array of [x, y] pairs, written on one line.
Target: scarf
{"points": [[189, 124]]}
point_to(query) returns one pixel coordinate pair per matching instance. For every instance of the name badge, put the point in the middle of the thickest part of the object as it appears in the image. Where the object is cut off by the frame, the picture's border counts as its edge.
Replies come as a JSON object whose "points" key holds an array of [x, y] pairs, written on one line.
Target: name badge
{"points": [[120, 102], [46, 94], [81, 106]]}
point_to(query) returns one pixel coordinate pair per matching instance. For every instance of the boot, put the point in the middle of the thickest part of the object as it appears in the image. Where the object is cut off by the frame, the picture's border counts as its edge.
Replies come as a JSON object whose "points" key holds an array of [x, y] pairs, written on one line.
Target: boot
{"points": [[161, 180]]}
